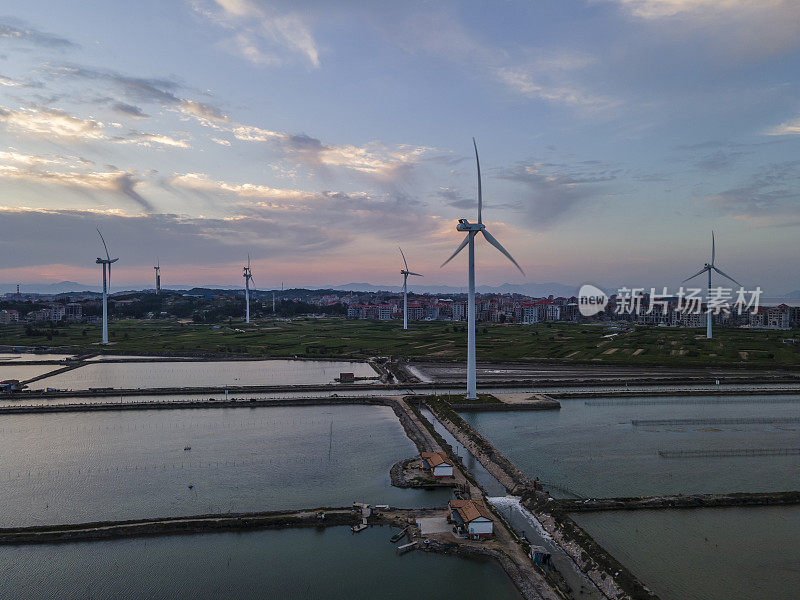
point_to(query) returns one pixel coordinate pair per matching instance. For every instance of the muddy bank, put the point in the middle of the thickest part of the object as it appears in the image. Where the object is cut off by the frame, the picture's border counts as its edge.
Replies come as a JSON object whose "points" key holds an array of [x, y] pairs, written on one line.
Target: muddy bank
{"points": [[176, 526], [407, 473], [210, 403], [676, 501]]}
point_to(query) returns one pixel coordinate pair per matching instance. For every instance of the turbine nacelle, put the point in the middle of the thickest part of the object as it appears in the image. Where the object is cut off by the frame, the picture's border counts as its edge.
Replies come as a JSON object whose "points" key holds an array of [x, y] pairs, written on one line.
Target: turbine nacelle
{"points": [[465, 225]]}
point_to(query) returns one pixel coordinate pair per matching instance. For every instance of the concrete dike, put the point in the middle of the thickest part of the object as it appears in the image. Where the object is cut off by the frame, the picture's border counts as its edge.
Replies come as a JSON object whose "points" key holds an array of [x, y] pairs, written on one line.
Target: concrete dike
{"points": [[613, 579]]}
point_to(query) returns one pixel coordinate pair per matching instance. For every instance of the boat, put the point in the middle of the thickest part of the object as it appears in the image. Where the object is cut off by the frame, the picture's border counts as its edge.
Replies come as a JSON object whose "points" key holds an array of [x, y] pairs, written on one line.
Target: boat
{"points": [[185, 448]]}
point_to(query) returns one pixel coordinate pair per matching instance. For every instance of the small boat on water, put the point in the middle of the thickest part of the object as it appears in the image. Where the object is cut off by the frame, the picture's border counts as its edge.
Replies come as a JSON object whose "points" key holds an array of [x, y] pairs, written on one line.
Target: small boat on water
{"points": [[190, 486], [185, 448]]}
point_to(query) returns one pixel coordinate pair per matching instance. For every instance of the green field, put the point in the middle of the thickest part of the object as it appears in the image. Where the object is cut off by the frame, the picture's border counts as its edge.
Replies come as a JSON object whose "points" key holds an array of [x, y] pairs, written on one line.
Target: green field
{"points": [[318, 338]]}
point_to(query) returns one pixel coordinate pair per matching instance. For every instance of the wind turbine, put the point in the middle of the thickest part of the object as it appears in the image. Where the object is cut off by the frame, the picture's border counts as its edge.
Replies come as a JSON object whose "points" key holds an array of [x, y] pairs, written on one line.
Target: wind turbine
{"points": [[472, 230], [405, 272], [710, 267], [106, 262], [158, 275], [248, 277]]}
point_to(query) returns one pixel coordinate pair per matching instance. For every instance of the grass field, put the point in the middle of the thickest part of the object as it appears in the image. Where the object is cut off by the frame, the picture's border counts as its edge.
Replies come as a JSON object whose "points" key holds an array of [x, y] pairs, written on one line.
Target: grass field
{"points": [[329, 338]]}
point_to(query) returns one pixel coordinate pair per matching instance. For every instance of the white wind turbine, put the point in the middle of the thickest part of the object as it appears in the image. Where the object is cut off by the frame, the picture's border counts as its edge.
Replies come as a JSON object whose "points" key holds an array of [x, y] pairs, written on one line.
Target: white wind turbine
{"points": [[248, 277], [710, 267], [405, 272], [157, 268], [472, 230], [106, 262]]}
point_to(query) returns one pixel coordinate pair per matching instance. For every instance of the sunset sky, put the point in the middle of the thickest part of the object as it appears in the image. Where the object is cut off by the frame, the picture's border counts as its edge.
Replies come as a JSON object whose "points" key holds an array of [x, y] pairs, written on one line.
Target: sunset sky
{"points": [[318, 136]]}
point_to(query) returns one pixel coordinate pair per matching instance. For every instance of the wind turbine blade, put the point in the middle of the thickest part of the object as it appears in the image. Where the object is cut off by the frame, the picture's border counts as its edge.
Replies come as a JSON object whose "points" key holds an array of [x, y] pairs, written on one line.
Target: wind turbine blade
{"points": [[404, 257], [700, 272], [248, 260], [712, 248], [102, 239], [480, 191], [459, 249], [726, 276], [493, 241], [417, 274]]}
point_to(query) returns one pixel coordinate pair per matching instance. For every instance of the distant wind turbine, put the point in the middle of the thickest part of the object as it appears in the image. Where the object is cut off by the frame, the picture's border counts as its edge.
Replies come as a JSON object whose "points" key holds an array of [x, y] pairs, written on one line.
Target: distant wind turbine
{"points": [[405, 272], [158, 275], [248, 277], [106, 262], [710, 267], [472, 230]]}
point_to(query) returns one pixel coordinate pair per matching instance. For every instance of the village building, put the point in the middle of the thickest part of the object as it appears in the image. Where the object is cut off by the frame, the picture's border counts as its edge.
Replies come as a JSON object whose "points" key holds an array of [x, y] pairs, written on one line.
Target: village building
{"points": [[437, 463], [470, 518]]}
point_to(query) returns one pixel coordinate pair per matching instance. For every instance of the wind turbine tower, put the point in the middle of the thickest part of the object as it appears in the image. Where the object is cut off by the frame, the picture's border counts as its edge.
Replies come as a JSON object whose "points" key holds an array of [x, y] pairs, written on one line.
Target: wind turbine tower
{"points": [[710, 267], [472, 230], [158, 276], [248, 277], [405, 272], [106, 263]]}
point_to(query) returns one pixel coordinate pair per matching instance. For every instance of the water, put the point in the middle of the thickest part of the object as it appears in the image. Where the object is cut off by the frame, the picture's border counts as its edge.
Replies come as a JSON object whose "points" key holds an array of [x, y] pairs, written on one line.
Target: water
{"points": [[487, 481], [596, 451], [135, 375], [706, 554], [77, 467], [25, 372], [298, 564]]}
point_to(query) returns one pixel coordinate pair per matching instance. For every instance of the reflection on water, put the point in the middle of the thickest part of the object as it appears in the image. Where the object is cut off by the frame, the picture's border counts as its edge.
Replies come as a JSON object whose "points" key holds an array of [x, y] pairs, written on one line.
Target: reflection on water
{"points": [[706, 554], [77, 467], [596, 451], [258, 564], [203, 374]]}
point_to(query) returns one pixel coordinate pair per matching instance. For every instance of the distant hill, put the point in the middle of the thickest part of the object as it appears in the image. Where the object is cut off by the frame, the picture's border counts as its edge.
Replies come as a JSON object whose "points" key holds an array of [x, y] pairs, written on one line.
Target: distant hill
{"points": [[528, 289]]}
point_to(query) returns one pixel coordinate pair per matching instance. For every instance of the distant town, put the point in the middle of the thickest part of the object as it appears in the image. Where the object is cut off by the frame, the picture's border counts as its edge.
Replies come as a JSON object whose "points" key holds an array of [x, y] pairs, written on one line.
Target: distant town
{"points": [[202, 305]]}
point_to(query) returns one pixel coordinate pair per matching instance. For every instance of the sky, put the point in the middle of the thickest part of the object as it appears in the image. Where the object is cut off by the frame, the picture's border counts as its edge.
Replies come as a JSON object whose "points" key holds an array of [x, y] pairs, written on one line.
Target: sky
{"points": [[614, 136]]}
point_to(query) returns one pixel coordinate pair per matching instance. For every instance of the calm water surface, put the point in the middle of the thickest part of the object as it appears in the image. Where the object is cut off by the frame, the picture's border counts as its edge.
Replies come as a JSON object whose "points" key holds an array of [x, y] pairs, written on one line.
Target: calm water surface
{"points": [[25, 372], [596, 451], [306, 564], [706, 554], [200, 374], [76, 467]]}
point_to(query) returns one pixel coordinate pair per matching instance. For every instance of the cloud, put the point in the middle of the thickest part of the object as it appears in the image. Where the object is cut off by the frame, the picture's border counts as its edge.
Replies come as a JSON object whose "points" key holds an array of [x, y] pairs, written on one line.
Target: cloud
{"points": [[372, 159], [149, 90], [14, 30], [553, 75], [8, 82], [51, 122], [522, 80], [770, 196], [114, 181], [136, 239], [360, 212], [557, 190], [261, 34], [70, 172], [741, 27], [129, 110], [786, 128]]}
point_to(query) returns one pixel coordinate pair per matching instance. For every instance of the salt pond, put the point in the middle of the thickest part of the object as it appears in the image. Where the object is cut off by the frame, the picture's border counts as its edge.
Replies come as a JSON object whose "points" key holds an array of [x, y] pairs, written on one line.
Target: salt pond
{"points": [[77, 467], [706, 554], [291, 563], [132, 375], [595, 450]]}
